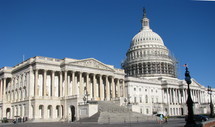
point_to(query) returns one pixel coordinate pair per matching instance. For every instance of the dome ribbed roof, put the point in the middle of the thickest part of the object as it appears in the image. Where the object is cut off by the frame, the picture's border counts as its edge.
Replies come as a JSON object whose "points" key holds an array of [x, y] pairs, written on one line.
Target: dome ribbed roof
{"points": [[147, 36]]}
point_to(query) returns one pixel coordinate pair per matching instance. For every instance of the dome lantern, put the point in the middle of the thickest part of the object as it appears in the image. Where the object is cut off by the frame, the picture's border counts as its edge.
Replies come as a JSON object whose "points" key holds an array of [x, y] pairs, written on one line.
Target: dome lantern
{"points": [[145, 21]]}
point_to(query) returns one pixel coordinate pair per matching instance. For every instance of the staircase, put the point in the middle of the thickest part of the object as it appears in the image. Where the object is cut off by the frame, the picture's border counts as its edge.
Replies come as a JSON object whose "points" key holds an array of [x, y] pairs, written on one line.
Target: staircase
{"points": [[110, 112]]}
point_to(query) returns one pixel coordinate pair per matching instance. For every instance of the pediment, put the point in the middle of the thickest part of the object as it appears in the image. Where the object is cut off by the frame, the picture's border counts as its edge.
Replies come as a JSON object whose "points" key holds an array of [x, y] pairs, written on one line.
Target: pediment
{"points": [[91, 63], [195, 83]]}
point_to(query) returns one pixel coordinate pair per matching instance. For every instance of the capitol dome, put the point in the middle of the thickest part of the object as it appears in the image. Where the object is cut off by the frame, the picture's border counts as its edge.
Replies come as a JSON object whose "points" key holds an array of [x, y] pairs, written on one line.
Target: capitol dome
{"points": [[147, 55], [145, 37]]}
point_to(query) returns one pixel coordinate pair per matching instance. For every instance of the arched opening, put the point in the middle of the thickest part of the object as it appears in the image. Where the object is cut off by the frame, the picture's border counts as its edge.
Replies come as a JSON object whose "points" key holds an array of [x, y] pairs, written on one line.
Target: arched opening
{"points": [[8, 112], [49, 111], [72, 110], [58, 111], [41, 111]]}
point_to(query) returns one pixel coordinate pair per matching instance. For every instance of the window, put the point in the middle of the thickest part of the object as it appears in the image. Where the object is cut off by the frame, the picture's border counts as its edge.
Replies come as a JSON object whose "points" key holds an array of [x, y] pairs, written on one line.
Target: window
{"points": [[146, 99], [134, 89], [135, 100], [147, 111], [139, 89]]}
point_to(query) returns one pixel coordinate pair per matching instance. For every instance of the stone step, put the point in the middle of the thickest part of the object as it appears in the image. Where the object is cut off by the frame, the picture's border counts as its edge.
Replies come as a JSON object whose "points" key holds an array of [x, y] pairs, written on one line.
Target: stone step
{"points": [[110, 112], [93, 118]]}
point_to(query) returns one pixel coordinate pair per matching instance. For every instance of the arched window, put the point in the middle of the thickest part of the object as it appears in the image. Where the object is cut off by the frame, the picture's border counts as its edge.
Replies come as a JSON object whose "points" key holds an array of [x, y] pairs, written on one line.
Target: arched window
{"points": [[146, 99], [41, 111], [49, 111], [58, 111]]}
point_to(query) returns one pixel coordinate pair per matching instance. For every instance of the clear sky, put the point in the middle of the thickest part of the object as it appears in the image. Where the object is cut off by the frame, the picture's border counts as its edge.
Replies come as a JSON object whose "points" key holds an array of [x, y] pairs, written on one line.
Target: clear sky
{"points": [[103, 29]]}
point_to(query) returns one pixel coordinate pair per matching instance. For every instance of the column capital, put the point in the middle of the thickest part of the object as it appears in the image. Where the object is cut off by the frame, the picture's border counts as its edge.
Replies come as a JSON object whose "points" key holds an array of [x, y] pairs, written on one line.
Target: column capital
{"points": [[36, 69], [60, 72], [53, 71]]}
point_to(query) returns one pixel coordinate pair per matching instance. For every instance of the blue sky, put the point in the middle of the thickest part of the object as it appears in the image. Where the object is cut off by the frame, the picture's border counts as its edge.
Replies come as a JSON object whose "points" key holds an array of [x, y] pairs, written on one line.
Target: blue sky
{"points": [[103, 29]]}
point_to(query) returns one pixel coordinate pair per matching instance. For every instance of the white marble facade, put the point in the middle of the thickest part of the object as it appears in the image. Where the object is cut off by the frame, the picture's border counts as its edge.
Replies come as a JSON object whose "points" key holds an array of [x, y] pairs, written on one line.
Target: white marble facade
{"points": [[52, 89], [43, 88]]}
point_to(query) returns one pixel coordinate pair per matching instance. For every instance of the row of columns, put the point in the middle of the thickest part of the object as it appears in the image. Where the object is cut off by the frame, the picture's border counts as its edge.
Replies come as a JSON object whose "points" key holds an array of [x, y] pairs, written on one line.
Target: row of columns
{"points": [[82, 83], [179, 96], [150, 68]]}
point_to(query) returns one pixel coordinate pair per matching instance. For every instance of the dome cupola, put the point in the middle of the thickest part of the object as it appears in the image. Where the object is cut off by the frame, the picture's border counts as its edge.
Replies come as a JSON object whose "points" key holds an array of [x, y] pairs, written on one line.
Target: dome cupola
{"points": [[147, 55]]}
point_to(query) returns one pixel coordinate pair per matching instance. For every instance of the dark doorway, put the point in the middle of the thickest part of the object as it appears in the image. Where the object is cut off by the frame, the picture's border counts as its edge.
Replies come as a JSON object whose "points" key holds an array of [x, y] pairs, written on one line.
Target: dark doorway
{"points": [[8, 112], [72, 108], [182, 111]]}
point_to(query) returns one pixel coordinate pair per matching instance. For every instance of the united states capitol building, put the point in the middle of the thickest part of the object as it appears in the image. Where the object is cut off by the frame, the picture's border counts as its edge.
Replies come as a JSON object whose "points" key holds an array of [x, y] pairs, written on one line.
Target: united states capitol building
{"points": [[50, 89]]}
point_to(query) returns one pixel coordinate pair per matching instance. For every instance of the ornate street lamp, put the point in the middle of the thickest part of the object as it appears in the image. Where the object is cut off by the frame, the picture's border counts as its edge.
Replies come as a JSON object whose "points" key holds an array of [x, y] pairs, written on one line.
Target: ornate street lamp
{"points": [[125, 100], [190, 121], [84, 99], [211, 103]]}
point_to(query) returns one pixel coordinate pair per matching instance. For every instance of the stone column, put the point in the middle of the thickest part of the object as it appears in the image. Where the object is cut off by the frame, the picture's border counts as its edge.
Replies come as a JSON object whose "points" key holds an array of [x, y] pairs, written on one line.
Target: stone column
{"points": [[107, 89], [36, 84], [113, 88], [44, 82], [171, 95], [170, 100], [124, 93], [53, 84], [177, 96], [4, 88], [1, 88], [30, 84], [88, 86], [167, 96], [69, 83], [101, 88], [174, 96], [95, 87], [200, 96], [81, 88], [182, 96], [65, 94], [61, 84], [118, 88], [65, 84], [74, 87], [192, 94]]}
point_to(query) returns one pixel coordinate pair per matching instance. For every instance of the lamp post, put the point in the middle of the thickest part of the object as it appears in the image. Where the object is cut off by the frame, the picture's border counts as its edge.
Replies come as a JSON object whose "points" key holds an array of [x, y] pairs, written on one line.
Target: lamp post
{"points": [[86, 94], [211, 103], [190, 121], [84, 98]]}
